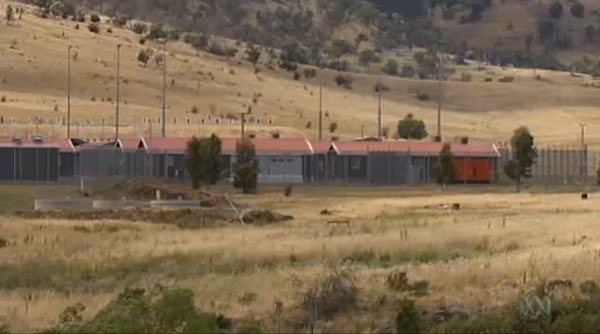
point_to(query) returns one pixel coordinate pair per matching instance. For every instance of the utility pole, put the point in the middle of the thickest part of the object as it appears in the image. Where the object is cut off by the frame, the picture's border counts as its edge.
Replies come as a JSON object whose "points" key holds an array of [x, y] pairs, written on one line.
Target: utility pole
{"points": [[320, 111], [118, 91], [164, 106], [583, 152], [69, 92], [243, 125], [379, 132], [439, 115]]}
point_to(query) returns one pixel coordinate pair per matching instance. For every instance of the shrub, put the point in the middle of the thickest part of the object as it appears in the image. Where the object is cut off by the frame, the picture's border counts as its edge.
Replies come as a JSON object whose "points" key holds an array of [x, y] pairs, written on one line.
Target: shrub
{"points": [[120, 21], [94, 18], [344, 80], [408, 71], [332, 295], [194, 110], [380, 87], [297, 76], [333, 126], [310, 73], [578, 10], [287, 191], [139, 28], [308, 125], [160, 310], [555, 10], [411, 128], [198, 41], [390, 67], [94, 27], [408, 319], [3, 99], [366, 57], [144, 57], [157, 32]]}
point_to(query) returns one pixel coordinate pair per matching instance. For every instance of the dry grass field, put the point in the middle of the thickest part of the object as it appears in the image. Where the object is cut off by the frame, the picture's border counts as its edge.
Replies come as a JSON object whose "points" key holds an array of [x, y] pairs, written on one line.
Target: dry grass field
{"points": [[33, 82], [496, 248]]}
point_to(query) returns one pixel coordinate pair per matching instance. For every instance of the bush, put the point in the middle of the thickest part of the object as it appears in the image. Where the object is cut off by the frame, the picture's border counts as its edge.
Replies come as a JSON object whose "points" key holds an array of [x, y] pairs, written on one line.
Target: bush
{"points": [[332, 295], [333, 127], [287, 191], [297, 76], [198, 41], [555, 10], [94, 27], [310, 73], [408, 319], [366, 57], [94, 18], [139, 28], [380, 87], [3, 99], [144, 57], [160, 310], [578, 10], [411, 128], [391, 67], [408, 71], [344, 80], [157, 32], [120, 21]]}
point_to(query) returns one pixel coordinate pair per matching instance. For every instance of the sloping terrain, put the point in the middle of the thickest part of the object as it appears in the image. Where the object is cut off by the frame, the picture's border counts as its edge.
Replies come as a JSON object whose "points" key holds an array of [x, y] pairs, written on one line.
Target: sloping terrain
{"points": [[33, 82]]}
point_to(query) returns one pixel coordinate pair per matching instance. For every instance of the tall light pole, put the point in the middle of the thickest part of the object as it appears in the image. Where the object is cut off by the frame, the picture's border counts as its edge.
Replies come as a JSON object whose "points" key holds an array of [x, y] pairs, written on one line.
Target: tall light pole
{"points": [[164, 99], [320, 111], [440, 92], [69, 92], [118, 91], [379, 130]]}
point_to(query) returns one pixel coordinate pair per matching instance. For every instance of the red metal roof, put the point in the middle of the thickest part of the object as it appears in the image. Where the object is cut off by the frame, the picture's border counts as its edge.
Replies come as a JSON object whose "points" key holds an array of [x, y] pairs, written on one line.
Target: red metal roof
{"points": [[320, 146], [128, 144], [414, 148], [263, 146], [27, 142]]}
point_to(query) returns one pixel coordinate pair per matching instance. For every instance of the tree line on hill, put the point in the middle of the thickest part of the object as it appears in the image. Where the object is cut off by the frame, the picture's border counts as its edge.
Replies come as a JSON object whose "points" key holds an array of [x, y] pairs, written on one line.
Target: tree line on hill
{"points": [[306, 34]]}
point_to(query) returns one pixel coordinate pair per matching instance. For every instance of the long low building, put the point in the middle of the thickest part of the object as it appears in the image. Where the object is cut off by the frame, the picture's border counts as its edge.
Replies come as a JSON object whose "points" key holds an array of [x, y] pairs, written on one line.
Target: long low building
{"points": [[281, 160], [28, 160]]}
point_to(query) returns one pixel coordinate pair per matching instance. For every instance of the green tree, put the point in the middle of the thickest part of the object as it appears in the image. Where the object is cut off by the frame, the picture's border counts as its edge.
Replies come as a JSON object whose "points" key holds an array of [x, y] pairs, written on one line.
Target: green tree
{"points": [[9, 14], [411, 128], [246, 167], [445, 169], [212, 159], [193, 161], [253, 54], [524, 155], [391, 67], [202, 160], [556, 10], [578, 10]]}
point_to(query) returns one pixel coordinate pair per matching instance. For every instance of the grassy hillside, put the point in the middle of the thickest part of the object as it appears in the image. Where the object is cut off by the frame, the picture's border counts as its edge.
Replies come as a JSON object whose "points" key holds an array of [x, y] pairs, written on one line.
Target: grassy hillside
{"points": [[33, 82]]}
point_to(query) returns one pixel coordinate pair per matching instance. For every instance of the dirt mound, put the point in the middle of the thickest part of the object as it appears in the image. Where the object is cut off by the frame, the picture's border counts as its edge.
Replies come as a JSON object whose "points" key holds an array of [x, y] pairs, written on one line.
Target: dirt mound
{"points": [[145, 188], [263, 217], [183, 218]]}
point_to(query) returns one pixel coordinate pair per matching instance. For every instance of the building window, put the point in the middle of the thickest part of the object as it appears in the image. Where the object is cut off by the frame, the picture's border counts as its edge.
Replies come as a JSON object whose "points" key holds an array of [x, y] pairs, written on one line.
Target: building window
{"points": [[355, 163], [170, 161]]}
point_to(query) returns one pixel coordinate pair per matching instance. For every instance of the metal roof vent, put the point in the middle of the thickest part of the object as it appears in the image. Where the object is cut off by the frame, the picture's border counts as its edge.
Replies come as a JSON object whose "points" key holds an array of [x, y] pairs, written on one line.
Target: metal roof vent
{"points": [[38, 139]]}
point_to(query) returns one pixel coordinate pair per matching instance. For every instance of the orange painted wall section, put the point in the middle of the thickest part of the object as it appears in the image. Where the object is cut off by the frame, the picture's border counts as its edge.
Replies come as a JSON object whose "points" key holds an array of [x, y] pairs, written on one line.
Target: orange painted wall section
{"points": [[473, 170]]}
